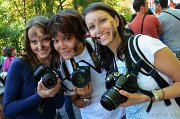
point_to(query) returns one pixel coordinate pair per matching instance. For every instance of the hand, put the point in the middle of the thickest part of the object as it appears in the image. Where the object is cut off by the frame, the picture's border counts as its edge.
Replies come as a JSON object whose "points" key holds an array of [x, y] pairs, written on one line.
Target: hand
{"points": [[133, 98], [85, 92], [45, 93]]}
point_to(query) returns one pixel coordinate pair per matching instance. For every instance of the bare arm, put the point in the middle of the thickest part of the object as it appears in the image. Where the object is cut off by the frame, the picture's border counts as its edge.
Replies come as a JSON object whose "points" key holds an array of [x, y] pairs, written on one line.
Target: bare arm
{"points": [[159, 27], [167, 63]]}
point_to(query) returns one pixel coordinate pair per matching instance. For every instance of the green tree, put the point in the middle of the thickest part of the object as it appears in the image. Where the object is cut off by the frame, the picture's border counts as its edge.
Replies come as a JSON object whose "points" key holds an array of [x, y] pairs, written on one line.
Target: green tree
{"points": [[15, 13]]}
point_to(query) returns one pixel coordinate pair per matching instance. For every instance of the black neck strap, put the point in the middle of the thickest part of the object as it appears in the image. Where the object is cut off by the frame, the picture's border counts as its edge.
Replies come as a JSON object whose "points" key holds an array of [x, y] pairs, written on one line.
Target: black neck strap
{"points": [[93, 57], [142, 23], [73, 63]]}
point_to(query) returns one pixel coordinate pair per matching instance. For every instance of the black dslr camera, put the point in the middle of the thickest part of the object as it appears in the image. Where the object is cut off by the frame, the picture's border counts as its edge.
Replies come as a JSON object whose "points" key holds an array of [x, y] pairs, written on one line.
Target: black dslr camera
{"points": [[114, 83], [80, 76], [48, 75]]}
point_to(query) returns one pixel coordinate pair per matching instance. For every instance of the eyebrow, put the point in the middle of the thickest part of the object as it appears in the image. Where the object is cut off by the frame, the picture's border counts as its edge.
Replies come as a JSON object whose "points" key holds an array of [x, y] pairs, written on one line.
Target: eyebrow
{"points": [[47, 36]]}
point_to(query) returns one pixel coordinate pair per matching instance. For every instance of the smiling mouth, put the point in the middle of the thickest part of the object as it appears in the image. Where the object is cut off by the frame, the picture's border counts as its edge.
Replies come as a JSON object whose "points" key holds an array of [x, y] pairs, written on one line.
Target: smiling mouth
{"points": [[104, 36], [65, 52], [43, 52]]}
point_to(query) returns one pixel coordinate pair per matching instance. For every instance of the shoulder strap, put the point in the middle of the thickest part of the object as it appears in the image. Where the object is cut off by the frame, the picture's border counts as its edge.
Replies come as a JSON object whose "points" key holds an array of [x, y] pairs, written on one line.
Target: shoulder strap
{"points": [[137, 56], [172, 15], [142, 23]]}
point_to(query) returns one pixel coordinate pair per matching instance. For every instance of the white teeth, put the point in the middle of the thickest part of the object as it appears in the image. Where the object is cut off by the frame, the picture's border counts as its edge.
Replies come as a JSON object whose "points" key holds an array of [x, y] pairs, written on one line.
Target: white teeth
{"points": [[65, 52], [103, 36]]}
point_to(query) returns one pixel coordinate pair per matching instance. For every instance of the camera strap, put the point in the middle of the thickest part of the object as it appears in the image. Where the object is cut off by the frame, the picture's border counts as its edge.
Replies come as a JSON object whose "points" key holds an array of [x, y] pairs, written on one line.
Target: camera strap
{"points": [[135, 58], [73, 63], [94, 58]]}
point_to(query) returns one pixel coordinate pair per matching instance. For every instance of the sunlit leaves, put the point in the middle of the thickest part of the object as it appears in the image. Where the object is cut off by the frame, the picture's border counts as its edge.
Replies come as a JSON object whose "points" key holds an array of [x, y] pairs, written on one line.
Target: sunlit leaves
{"points": [[15, 13]]}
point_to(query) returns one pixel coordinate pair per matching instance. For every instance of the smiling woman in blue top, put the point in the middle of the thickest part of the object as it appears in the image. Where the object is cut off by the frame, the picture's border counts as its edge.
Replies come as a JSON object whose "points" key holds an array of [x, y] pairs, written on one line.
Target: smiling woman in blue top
{"points": [[25, 96]]}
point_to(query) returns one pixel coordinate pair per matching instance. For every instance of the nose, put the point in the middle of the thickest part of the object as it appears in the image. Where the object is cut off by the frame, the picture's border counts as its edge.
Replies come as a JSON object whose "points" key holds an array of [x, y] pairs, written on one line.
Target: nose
{"points": [[98, 28], [41, 45], [61, 45]]}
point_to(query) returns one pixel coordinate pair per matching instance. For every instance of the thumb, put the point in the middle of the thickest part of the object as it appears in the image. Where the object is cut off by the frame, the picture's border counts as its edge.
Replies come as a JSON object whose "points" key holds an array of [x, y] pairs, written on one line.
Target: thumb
{"points": [[124, 93]]}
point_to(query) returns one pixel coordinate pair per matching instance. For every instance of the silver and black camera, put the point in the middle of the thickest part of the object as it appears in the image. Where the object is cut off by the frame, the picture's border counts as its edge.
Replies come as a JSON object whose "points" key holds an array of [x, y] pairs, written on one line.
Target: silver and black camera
{"points": [[114, 83], [48, 75]]}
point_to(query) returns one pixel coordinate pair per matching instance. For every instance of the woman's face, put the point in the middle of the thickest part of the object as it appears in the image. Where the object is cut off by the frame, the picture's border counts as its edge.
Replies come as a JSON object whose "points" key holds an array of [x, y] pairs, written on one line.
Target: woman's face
{"points": [[102, 26], [39, 42], [67, 46]]}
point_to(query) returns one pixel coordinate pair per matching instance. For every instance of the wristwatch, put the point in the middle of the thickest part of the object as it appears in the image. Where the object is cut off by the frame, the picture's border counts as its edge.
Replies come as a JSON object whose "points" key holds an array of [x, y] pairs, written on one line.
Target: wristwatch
{"points": [[87, 100]]}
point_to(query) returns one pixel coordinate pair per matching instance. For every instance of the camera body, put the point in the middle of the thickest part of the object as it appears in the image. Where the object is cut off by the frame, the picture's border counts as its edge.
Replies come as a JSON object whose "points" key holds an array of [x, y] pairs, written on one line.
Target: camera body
{"points": [[114, 83], [48, 75], [80, 76]]}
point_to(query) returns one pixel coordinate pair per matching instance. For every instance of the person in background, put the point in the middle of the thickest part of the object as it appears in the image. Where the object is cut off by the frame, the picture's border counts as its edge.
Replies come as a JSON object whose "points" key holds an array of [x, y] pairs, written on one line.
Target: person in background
{"points": [[68, 34], [149, 12], [106, 28], [128, 31], [144, 23], [13, 51], [170, 20], [3, 53], [22, 52], [26, 96], [1, 58], [10, 55]]}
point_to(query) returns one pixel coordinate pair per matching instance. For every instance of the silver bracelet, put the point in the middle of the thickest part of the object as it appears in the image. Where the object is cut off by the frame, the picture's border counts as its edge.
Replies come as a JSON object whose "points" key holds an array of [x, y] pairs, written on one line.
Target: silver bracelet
{"points": [[156, 95]]}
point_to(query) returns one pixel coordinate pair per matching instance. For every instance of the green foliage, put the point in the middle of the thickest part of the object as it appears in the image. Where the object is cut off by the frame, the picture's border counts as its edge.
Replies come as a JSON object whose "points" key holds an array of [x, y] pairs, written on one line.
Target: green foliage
{"points": [[15, 13]]}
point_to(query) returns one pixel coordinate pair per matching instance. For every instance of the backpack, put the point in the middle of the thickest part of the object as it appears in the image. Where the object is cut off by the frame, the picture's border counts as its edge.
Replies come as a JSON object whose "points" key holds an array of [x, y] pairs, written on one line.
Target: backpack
{"points": [[135, 58]]}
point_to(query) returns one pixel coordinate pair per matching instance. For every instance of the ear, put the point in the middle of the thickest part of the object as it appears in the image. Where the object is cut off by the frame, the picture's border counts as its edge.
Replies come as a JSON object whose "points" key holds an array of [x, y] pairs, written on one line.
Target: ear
{"points": [[117, 21]]}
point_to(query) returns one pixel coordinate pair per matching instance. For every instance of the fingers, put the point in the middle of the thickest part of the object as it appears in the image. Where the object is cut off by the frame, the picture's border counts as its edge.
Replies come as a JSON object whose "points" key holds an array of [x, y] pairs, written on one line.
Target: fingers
{"points": [[52, 91], [45, 92], [125, 93], [133, 98]]}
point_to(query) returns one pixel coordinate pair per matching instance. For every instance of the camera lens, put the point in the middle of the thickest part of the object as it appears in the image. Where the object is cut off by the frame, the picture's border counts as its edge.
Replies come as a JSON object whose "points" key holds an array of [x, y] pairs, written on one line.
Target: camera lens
{"points": [[81, 76], [112, 99], [49, 80], [79, 79]]}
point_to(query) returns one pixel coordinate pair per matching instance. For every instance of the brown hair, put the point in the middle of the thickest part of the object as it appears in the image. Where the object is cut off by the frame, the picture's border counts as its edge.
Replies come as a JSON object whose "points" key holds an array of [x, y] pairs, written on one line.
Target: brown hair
{"points": [[104, 53], [41, 22], [69, 23]]}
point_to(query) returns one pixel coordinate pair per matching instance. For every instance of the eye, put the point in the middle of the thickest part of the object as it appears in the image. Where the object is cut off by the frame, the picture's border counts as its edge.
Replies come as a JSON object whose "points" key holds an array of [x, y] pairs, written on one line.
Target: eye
{"points": [[54, 40], [91, 27], [102, 20], [33, 42], [47, 39], [67, 38]]}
